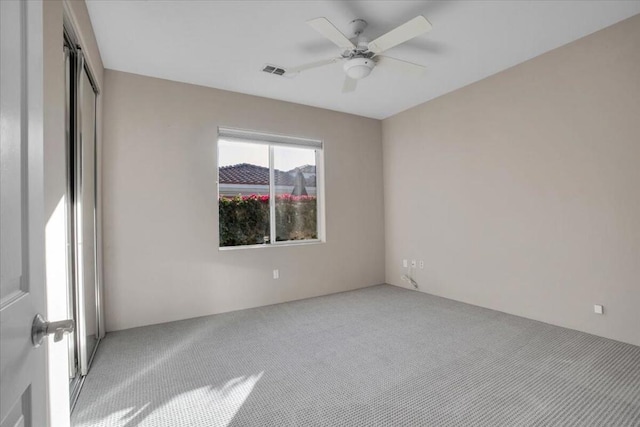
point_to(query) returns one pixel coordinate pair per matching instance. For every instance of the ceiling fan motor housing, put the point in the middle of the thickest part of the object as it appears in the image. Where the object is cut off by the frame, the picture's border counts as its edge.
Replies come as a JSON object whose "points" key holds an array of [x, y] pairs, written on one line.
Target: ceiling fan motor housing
{"points": [[359, 68], [357, 26]]}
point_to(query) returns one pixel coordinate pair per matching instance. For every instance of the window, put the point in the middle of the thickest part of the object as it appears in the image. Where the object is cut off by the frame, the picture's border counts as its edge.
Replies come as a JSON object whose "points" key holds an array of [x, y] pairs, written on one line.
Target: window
{"points": [[269, 190]]}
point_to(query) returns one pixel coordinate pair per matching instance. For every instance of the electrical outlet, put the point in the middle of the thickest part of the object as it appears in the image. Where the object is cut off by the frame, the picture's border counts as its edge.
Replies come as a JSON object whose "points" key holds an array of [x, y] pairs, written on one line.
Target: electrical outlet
{"points": [[421, 264], [276, 274], [413, 263], [404, 263], [598, 309]]}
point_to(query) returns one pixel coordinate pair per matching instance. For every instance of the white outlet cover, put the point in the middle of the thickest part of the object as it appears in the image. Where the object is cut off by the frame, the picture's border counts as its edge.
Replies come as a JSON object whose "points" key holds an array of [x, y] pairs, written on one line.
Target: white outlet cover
{"points": [[598, 309], [276, 274], [404, 263], [421, 264]]}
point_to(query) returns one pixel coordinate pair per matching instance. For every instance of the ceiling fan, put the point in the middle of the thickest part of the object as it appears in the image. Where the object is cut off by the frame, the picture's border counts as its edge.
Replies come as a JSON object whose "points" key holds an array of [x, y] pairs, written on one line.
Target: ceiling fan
{"points": [[359, 54]]}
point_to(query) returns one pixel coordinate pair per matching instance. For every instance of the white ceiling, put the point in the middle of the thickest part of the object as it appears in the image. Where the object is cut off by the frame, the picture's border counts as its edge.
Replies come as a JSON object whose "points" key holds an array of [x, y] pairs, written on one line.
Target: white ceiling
{"points": [[224, 44]]}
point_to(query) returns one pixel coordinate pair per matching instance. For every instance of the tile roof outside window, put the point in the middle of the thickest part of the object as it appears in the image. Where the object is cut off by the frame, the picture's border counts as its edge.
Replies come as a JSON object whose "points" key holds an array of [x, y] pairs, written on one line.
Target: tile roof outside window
{"points": [[245, 173]]}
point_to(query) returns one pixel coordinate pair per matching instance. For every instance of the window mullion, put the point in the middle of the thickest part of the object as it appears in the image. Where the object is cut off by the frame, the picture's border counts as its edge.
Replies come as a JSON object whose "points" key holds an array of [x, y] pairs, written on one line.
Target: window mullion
{"points": [[272, 198], [319, 195]]}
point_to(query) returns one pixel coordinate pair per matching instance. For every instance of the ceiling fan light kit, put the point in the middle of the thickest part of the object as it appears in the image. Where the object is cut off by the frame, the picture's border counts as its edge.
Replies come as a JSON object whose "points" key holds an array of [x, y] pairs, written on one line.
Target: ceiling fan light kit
{"points": [[360, 56], [358, 68]]}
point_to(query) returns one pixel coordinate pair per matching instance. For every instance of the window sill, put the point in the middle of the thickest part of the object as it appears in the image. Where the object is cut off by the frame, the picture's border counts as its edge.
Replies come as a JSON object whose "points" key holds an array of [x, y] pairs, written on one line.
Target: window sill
{"points": [[273, 245]]}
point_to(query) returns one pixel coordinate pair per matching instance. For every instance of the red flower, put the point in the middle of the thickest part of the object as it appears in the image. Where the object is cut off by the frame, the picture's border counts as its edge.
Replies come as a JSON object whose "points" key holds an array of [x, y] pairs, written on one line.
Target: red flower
{"points": [[265, 198]]}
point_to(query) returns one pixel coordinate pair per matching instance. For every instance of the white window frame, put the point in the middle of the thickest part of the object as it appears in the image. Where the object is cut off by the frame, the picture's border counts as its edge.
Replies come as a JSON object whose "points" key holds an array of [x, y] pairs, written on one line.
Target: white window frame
{"points": [[274, 140]]}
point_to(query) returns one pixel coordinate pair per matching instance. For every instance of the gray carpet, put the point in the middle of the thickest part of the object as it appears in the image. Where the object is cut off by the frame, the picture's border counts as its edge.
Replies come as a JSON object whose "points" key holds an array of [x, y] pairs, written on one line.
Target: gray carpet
{"points": [[377, 356]]}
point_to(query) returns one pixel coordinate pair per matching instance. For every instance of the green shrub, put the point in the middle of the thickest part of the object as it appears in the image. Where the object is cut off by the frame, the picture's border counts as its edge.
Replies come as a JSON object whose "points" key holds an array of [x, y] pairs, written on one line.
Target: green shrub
{"points": [[244, 220]]}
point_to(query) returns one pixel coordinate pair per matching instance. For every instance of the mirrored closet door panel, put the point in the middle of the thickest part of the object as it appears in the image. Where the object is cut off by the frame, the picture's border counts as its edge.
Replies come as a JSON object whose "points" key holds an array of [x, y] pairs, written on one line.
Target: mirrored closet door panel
{"points": [[86, 214]]}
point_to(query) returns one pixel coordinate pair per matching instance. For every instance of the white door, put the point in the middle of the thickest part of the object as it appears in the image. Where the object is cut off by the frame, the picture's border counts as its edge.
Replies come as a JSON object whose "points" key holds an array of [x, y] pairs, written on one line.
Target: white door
{"points": [[22, 286]]}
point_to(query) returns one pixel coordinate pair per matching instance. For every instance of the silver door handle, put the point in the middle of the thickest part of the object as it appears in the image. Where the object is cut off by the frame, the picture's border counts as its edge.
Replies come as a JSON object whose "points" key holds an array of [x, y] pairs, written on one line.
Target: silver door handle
{"points": [[41, 328]]}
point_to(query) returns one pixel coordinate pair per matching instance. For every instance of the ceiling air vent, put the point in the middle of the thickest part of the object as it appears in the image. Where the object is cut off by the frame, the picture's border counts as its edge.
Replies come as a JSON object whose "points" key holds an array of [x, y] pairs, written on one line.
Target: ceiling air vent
{"points": [[274, 69]]}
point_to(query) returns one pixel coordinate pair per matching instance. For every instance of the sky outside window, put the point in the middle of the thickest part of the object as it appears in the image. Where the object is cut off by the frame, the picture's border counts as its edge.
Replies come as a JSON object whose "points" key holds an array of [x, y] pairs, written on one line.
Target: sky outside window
{"points": [[233, 153]]}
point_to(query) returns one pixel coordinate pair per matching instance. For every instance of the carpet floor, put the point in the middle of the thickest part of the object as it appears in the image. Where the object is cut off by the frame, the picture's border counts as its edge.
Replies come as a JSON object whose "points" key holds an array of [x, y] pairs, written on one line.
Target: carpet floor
{"points": [[379, 356]]}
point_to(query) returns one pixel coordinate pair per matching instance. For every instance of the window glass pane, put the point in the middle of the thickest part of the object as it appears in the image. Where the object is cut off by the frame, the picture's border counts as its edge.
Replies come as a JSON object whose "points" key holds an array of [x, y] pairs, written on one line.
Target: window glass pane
{"points": [[296, 205], [243, 205]]}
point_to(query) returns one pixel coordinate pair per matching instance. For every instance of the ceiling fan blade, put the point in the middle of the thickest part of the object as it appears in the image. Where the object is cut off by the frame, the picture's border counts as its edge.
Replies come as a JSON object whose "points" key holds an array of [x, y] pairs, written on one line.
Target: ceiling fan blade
{"points": [[311, 65], [408, 67], [407, 31], [349, 84], [327, 29]]}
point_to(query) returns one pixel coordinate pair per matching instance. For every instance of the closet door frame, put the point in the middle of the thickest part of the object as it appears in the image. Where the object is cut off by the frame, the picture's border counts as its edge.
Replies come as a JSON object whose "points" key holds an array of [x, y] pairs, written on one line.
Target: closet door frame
{"points": [[85, 357], [79, 357], [69, 58]]}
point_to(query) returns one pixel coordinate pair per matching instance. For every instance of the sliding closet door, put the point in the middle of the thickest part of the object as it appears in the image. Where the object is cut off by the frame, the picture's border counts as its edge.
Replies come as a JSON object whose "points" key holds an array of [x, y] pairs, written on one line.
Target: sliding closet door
{"points": [[86, 221], [69, 208]]}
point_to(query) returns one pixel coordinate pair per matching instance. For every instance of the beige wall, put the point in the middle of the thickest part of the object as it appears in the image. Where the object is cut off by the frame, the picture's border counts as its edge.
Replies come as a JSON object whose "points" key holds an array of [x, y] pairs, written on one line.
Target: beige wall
{"points": [[55, 182], [522, 192], [161, 255]]}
